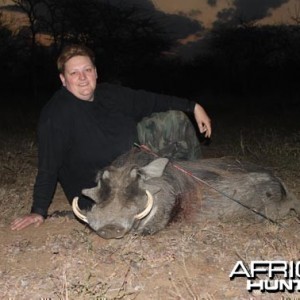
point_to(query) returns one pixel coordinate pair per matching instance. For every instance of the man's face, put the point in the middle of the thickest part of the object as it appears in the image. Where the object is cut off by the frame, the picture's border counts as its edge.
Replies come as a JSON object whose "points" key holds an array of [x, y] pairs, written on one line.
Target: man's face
{"points": [[80, 77]]}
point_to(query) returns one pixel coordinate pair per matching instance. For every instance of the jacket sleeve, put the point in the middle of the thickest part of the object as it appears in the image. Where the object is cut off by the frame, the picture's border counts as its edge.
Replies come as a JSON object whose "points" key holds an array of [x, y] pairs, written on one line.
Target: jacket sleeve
{"points": [[51, 148], [140, 103]]}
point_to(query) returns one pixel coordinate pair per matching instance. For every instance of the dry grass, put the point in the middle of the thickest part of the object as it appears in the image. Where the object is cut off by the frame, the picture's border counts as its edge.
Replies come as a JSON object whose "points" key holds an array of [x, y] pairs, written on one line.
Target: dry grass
{"points": [[269, 139], [65, 260]]}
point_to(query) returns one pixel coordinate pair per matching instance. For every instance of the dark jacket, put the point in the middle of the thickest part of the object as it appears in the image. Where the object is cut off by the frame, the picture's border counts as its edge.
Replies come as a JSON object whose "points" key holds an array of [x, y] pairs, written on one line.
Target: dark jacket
{"points": [[76, 138]]}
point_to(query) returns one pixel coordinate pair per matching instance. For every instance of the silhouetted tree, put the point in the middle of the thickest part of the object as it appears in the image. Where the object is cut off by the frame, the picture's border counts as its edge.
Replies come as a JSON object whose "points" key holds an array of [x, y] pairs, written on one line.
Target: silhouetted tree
{"points": [[6, 50], [125, 38], [295, 13], [31, 8]]}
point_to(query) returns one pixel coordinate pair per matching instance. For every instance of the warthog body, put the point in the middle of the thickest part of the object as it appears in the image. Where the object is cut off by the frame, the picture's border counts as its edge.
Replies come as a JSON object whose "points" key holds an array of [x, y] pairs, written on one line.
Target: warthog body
{"points": [[123, 190]]}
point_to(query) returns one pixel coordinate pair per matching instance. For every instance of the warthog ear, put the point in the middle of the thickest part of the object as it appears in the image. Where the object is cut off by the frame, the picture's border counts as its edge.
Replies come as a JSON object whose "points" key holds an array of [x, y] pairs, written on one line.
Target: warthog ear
{"points": [[93, 193], [154, 169]]}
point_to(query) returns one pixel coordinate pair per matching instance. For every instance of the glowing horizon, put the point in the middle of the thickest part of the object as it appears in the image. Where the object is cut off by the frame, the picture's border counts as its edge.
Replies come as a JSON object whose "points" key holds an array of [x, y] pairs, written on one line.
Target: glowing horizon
{"points": [[201, 11]]}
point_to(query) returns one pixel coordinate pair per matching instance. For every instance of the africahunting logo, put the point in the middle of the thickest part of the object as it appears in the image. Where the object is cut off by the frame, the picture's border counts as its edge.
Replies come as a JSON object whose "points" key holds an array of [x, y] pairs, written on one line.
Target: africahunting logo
{"points": [[269, 276]]}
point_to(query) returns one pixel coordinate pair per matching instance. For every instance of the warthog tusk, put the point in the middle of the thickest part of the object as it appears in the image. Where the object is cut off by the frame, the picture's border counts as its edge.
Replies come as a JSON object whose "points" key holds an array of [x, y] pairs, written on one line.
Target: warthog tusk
{"points": [[77, 210], [148, 208]]}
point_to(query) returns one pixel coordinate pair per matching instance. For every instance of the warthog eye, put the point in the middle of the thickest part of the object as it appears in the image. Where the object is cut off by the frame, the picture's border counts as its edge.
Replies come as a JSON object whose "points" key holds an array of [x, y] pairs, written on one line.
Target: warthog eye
{"points": [[132, 191]]}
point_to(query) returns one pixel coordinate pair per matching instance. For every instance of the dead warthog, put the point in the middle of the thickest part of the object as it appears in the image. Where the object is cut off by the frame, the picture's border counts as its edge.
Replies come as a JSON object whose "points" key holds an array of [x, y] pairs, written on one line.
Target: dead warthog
{"points": [[140, 194]]}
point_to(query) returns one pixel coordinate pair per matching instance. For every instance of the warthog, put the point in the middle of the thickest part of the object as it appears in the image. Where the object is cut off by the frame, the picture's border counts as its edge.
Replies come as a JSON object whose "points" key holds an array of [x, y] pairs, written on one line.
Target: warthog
{"points": [[139, 193]]}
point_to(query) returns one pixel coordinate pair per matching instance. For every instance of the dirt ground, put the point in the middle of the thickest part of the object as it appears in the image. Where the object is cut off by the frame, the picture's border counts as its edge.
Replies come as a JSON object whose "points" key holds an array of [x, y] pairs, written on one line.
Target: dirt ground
{"points": [[63, 259]]}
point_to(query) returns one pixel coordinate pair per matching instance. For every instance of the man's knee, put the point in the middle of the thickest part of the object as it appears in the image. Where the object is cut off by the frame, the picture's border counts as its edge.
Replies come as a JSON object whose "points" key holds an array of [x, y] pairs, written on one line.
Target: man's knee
{"points": [[170, 134]]}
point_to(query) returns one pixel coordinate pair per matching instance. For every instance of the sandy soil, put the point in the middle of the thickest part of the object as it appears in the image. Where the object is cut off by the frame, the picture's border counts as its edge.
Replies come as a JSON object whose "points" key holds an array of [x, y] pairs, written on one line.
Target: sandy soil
{"points": [[63, 259]]}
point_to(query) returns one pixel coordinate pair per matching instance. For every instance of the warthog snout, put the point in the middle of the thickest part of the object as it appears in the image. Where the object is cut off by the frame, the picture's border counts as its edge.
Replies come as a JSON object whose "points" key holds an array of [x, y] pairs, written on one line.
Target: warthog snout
{"points": [[112, 231]]}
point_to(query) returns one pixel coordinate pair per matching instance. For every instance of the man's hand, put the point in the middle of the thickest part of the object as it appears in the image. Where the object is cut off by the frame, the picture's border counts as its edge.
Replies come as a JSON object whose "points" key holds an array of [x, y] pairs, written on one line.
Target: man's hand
{"points": [[25, 221], [202, 120]]}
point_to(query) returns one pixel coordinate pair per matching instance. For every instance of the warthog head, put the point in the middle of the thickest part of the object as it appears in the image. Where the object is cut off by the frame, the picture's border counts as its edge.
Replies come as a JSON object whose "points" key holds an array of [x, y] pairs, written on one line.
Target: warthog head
{"points": [[124, 199]]}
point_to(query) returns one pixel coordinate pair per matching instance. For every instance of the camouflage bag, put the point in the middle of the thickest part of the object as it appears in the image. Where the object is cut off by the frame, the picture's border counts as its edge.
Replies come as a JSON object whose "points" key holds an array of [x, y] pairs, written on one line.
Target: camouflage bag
{"points": [[170, 134]]}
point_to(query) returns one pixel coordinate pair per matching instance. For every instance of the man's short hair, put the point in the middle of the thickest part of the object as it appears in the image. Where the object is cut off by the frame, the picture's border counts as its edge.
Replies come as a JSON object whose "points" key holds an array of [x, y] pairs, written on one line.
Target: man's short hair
{"points": [[72, 50]]}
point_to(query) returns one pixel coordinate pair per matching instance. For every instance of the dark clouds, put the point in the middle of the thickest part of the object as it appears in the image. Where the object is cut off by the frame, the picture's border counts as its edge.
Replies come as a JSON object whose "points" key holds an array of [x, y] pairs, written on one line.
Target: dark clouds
{"points": [[182, 25], [241, 11], [247, 11], [145, 4], [257, 9], [212, 2], [177, 26]]}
